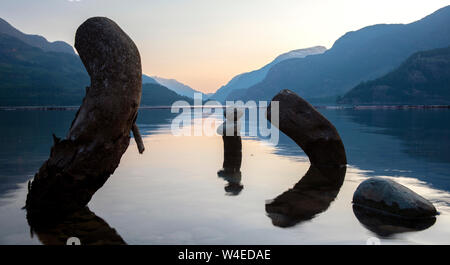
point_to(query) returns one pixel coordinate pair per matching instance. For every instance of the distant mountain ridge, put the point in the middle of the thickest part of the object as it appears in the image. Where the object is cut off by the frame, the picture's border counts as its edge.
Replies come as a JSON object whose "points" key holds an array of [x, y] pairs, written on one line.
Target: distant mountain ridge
{"points": [[246, 80], [35, 40], [177, 87], [148, 80], [424, 78], [30, 76], [357, 56], [158, 95]]}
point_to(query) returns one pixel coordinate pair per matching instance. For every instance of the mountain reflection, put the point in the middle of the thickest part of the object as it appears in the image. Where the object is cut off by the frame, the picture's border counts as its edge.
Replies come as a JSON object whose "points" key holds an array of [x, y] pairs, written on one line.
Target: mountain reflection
{"points": [[83, 224], [312, 195]]}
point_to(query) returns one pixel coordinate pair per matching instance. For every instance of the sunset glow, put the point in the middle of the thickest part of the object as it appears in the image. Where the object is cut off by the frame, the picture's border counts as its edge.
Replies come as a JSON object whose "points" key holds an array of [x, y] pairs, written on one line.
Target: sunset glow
{"points": [[205, 43]]}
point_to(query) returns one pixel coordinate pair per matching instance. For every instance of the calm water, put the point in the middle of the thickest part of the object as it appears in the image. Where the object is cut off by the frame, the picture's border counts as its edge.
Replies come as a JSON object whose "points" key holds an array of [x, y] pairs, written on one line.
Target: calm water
{"points": [[172, 194]]}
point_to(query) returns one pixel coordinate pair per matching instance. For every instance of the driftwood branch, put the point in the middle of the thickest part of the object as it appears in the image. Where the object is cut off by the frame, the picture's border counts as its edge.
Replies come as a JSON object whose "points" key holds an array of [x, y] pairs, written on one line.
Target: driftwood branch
{"points": [[138, 138]]}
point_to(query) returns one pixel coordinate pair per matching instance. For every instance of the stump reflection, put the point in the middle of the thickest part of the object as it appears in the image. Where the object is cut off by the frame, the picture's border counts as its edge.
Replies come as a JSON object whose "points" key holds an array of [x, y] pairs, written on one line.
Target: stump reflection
{"points": [[82, 224], [312, 195]]}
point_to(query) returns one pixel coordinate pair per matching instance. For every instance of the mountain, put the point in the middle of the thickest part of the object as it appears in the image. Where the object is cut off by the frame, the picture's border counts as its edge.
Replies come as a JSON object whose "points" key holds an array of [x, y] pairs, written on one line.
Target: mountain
{"points": [[31, 76], [147, 79], [177, 87], [249, 79], [35, 40], [158, 95], [424, 78], [355, 57]]}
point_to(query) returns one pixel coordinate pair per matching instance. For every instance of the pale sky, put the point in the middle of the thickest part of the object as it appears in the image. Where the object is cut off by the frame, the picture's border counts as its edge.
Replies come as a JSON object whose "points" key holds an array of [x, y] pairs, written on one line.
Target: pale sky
{"points": [[204, 43]]}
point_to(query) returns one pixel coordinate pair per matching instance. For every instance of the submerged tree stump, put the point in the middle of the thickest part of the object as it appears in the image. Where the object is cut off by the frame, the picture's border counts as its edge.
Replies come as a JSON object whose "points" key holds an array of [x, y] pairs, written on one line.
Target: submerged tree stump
{"points": [[310, 130], [321, 142], [100, 133]]}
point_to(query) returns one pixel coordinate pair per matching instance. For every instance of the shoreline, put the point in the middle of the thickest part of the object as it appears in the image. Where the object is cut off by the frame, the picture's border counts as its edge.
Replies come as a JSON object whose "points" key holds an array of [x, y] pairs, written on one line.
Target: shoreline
{"points": [[356, 107]]}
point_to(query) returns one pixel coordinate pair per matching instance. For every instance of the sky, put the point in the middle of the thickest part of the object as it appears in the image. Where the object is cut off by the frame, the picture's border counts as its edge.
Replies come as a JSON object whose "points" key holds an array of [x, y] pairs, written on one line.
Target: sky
{"points": [[204, 43]]}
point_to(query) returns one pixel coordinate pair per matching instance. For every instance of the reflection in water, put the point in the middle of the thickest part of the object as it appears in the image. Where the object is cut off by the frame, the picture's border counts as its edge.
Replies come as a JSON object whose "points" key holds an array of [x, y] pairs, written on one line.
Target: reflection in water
{"points": [[26, 137], [83, 224], [417, 140], [387, 225], [232, 159], [312, 195]]}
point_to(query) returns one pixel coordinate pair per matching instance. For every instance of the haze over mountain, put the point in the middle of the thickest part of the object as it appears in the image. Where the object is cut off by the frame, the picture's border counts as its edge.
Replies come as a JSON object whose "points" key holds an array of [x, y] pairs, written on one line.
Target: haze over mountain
{"points": [[148, 80], [31, 76], [246, 80], [158, 95], [35, 40], [357, 56], [424, 78], [178, 87]]}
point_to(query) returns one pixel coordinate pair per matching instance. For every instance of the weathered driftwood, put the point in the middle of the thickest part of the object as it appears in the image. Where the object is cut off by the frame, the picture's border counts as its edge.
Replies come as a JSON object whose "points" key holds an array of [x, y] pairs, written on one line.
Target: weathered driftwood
{"points": [[312, 195], [309, 129], [232, 142], [100, 133], [138, 138], [321, 142], [232, 151]]}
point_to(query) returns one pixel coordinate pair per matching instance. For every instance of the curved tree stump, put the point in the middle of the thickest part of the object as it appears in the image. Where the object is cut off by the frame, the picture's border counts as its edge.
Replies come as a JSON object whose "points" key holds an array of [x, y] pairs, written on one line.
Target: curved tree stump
{"points": [[310, 130], [321, 142], [100, 133]]}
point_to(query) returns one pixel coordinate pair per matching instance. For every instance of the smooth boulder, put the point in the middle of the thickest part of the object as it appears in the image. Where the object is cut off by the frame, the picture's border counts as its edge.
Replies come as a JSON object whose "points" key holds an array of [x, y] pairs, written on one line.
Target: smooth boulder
{"points": [[389, 197]]}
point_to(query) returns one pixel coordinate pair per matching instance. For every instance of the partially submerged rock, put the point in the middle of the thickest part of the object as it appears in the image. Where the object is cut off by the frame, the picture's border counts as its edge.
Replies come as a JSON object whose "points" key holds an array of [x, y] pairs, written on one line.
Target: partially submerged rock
{"points": [[100, 133], [389, 197], [309, 129], [386, 225]]}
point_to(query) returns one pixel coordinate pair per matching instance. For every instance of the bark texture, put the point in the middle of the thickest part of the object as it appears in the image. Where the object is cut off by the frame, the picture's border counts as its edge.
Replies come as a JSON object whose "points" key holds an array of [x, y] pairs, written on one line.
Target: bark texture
{"points": [[309, 129], [100, 133]]}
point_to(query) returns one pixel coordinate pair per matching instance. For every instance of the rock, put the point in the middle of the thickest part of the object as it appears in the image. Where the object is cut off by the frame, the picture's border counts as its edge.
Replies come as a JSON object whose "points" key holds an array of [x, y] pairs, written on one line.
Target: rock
{"points": [[100, 133], [387, 225], [309, 129], [389, 197]]}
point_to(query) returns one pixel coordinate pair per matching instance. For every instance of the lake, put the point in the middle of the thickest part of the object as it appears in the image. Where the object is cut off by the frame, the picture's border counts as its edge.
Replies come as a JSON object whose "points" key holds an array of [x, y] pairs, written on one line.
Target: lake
{"points": [[172, 193]]}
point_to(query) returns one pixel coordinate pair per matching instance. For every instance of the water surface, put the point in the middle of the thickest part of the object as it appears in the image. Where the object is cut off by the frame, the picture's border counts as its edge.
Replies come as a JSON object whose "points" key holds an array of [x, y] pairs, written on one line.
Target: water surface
{"points": [[172, 194]]}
